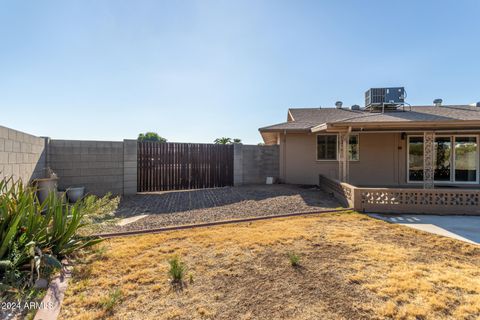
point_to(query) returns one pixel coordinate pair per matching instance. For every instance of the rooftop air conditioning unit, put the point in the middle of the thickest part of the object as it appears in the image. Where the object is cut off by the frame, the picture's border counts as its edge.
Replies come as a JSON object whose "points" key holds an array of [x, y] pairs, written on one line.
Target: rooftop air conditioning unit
{"points": [[384, 97]]}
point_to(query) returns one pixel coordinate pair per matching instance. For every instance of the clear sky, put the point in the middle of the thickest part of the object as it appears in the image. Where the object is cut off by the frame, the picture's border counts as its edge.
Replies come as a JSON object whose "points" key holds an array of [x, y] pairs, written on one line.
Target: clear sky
{"points": [[197, 70]]}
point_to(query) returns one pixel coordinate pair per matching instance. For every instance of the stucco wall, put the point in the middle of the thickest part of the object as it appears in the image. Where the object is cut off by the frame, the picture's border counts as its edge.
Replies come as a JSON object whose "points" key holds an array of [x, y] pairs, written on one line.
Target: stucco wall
{"points": [[22, 155], [95, 165], [382, 160], [253, 164]]}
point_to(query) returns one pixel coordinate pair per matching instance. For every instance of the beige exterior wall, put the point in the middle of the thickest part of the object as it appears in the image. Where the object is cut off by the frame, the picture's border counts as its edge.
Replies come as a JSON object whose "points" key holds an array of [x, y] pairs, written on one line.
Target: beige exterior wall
{"points": [[382, 160], [298, 164]]}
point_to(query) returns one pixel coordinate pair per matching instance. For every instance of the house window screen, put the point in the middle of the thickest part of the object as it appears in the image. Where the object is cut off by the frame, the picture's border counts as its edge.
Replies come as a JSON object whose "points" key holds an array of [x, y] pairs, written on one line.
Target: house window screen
{"points": [[327, 147]]}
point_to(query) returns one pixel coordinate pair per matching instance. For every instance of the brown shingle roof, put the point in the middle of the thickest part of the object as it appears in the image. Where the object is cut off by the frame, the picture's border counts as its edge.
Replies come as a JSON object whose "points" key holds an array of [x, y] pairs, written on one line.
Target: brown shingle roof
{"points": [[422, 113], [307, 118]]}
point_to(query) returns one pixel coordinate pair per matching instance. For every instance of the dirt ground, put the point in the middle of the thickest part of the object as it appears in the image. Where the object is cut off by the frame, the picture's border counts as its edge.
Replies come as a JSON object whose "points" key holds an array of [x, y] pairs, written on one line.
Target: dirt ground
{"points": [[351, 267], [207, 205]]}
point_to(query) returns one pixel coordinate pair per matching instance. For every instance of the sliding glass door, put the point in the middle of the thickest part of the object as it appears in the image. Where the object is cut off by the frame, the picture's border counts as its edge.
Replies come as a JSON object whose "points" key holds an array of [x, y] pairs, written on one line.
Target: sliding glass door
{"points": [[456, 159], [443, 154], [466, 163]]}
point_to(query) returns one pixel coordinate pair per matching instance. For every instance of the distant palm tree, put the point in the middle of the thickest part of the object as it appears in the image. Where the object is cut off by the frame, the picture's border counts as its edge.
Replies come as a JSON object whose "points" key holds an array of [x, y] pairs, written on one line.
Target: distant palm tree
{"points": [[223, 140], [237, 141]]}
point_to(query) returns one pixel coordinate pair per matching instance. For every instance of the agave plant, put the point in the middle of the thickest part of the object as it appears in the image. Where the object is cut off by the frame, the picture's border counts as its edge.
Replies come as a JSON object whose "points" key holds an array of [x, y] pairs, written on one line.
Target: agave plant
{"points": [[35, 235]]}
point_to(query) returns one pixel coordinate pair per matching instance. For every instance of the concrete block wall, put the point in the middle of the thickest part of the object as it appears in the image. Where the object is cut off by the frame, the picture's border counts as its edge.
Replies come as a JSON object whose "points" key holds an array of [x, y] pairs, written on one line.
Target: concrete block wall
{"points": [[108, 166], [96, 165], [22, 155], [129, 167], [253, 164]]}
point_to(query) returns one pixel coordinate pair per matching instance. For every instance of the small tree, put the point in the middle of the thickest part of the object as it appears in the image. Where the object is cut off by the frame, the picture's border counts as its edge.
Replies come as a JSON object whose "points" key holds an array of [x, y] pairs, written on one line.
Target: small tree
{"points": [[237, 141], [151, 136]]}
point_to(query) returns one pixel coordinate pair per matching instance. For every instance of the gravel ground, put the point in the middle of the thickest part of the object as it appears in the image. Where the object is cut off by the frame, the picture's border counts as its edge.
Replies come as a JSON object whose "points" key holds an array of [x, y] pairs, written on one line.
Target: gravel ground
{"points": [[207, 205]]}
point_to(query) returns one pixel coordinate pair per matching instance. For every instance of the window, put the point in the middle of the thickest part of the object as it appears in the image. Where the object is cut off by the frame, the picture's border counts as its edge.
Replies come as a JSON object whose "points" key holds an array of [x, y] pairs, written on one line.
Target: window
{"points": [[466, 159], [353, 150], [443, 152], [415, 158], [327, 147], [456, 159]]}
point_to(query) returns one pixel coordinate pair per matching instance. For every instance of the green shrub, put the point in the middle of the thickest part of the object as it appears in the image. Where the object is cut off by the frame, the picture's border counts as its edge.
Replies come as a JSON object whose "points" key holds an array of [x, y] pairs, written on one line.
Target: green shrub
{"points": [[294, 259], [111, 301], [177, 270], [99, 209], [35, 236]]}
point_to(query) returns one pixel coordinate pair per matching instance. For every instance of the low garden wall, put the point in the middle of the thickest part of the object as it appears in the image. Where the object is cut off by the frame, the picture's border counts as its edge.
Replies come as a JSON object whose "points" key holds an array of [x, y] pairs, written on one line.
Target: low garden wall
{"points": [[22, 155], [404, 200], [343, 192]]}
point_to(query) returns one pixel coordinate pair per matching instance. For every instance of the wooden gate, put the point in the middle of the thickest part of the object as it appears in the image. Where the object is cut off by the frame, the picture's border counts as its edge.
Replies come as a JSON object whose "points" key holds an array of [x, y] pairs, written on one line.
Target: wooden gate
{"points": [[179, 166]]}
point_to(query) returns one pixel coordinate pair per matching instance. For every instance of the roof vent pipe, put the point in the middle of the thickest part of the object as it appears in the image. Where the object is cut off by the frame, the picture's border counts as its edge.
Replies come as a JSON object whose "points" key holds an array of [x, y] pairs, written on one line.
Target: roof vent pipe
{"points": [[437, 102], [339, 104]]}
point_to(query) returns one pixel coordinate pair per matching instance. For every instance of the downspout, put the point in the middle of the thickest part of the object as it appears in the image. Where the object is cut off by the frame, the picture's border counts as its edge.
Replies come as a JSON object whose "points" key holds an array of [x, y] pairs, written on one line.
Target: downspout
{"points": [[284, 156], [347, 160]]}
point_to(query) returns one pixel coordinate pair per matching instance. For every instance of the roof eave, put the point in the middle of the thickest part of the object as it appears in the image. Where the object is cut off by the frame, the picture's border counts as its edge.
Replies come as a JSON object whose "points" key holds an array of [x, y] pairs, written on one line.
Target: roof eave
{"points": [[296, 130], [320, 127], [403, 124]]}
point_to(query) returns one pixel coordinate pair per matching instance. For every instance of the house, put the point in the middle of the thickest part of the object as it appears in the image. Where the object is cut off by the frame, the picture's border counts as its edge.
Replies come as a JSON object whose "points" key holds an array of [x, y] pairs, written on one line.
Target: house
{"points": [[426, 154]]}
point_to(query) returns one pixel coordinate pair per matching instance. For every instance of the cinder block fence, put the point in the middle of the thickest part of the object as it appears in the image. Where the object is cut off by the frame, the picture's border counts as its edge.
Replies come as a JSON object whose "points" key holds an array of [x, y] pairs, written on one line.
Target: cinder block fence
{"points": [[22, 155], [108, 166]]}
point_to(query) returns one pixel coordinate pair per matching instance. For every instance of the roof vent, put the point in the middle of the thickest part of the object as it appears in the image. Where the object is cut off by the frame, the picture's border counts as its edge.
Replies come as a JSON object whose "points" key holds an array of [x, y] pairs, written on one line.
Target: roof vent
{"points": [[478, 104], [339, 104], [437, 102], [355, 107]]}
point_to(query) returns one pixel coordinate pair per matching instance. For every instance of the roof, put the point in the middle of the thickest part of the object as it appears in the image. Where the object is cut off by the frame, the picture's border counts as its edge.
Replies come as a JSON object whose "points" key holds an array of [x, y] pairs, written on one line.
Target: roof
{"points": [[310, 119], [307, 118]]}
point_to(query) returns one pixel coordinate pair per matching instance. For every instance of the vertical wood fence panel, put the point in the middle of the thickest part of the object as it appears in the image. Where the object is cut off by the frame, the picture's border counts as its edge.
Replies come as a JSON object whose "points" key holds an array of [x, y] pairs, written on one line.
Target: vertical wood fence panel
{"points": [[180, 166]]}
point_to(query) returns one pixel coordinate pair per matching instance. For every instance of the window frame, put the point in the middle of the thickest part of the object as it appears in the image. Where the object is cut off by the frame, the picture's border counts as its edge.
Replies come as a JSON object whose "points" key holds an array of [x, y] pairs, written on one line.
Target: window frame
{"points": [[452, 160], [316, 146]]}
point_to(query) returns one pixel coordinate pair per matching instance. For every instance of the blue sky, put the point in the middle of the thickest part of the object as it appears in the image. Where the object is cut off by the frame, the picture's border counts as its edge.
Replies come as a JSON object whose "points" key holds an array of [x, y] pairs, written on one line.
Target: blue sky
{"points": [[196, 70]]}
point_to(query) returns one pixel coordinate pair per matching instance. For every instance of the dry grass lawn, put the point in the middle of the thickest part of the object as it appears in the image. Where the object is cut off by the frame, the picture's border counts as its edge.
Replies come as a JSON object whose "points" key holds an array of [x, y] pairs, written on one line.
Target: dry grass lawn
{"points": [[351, 267]]}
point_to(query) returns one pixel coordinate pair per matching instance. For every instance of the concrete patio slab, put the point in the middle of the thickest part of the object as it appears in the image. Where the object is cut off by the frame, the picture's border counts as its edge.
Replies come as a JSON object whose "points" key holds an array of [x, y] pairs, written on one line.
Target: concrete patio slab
{"points": [[464, 228]]}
